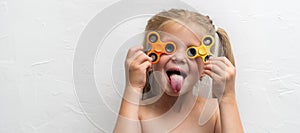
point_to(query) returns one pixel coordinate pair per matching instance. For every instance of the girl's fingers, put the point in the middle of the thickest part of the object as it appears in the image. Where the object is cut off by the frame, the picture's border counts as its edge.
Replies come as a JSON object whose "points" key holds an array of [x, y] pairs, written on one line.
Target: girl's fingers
{"points": [[215, 68], [223, 59], [146, 65], [218, 63], [219, 67], [142, 57], [133, 50], [136, 56], [212, 75]]}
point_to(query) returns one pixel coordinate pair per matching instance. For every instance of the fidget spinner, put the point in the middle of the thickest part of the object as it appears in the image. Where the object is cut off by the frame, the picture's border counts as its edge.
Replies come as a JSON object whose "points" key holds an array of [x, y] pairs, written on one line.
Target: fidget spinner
{"points": [[158, 47], [202, 51]]}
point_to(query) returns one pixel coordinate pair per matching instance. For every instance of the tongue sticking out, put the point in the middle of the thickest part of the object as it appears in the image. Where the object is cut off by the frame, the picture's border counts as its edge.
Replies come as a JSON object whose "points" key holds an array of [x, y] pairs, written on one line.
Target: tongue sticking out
{"points": [[176, 82]]}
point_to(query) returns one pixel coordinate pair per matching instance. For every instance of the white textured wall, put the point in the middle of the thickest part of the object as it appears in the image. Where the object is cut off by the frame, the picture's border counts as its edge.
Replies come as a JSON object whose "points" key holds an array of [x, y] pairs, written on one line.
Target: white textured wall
{"points": [[38, 40]]}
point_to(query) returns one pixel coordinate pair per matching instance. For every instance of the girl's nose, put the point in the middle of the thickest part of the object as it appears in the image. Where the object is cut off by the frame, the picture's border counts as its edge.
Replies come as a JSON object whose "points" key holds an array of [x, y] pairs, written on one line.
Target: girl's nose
{"points": [[179, 58]]}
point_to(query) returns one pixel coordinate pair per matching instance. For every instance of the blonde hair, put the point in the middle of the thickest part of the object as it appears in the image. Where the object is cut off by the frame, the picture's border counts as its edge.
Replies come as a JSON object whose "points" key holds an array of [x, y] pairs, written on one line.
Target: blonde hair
{"points": [[191, 19]]}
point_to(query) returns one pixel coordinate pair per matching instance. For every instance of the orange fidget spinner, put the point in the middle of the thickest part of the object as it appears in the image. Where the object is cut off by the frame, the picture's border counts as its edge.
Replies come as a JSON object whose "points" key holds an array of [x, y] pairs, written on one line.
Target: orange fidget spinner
{"points": [[158, 47]]}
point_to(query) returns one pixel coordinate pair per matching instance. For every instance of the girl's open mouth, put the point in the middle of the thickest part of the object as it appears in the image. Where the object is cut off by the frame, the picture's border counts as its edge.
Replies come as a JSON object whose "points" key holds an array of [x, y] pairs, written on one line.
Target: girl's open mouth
{"points": [[176, 78]]}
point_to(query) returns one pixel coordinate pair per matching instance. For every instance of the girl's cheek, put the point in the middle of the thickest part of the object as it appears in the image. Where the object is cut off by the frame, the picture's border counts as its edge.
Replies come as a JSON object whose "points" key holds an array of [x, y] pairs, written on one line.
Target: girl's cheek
{"points": [[200, 65], [159, 66]]}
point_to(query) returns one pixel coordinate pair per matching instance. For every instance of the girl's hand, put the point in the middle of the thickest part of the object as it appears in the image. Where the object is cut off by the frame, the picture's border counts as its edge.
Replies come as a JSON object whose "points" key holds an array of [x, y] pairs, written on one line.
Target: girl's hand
{"points": [[137, 64], [223, 72]]}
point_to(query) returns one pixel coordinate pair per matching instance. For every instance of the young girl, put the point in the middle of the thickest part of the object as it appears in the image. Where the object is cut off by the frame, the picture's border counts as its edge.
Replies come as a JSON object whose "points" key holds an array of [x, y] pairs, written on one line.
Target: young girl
{"points": [[177, 109]]}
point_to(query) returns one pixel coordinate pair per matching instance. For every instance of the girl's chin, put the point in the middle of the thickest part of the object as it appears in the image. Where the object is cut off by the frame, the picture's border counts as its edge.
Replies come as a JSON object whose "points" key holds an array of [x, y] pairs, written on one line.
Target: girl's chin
{"points": [[171, 92]]}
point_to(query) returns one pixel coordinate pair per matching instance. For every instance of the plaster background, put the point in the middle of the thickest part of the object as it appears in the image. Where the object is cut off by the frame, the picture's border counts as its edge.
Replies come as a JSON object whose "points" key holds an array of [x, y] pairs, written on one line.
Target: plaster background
{"points": [[38, 41]]}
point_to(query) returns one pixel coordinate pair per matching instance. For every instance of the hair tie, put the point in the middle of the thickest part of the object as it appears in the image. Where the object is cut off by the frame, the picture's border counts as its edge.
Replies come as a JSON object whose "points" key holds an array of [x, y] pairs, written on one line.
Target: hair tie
{"points": [[216, 28]]}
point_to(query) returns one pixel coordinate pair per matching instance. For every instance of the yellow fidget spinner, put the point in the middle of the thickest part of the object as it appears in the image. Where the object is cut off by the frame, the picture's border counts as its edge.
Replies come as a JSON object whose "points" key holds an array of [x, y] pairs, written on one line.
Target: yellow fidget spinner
{"points": [[203, 50], [158, 47]]}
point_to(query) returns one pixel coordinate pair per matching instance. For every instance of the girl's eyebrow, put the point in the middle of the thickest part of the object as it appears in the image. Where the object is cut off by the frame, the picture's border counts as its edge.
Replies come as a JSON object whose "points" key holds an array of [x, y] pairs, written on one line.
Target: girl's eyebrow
{"points": [[190, 44], [193, 43], [165, 37], [168, 39]]}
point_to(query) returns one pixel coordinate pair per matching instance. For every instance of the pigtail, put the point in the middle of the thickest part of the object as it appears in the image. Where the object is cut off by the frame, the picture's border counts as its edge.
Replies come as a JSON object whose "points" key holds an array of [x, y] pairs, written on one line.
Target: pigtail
{"points": [[225, 44]]}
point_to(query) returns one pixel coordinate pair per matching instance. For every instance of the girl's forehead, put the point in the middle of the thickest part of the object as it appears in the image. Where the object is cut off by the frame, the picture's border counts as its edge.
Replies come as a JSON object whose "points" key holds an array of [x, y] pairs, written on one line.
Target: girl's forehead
{"points": [[187, 34]]}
